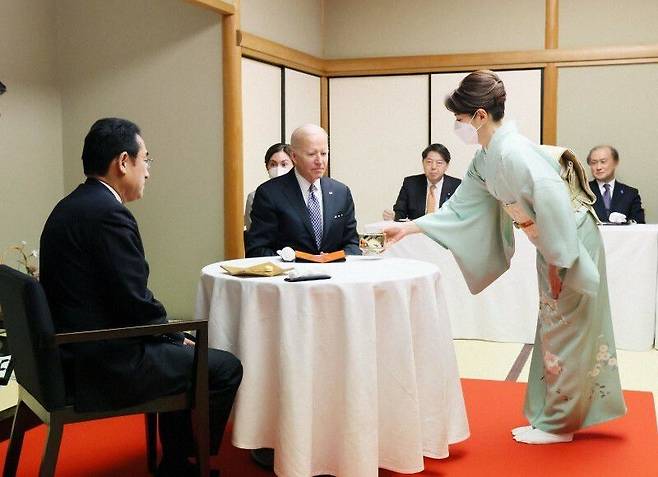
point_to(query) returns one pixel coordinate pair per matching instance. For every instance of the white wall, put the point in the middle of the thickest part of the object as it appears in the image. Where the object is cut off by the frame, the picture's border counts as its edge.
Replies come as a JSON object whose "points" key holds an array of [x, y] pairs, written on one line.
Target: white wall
{"points": [[261, 114], [422, 27], [30, 121], [596, 23], [158, 63], [302, 102], [297, 24], [378, 128]]}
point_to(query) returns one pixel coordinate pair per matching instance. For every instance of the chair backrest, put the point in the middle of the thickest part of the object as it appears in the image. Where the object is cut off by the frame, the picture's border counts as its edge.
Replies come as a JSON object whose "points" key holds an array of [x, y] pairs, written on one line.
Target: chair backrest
{"points": [[30, 332]]}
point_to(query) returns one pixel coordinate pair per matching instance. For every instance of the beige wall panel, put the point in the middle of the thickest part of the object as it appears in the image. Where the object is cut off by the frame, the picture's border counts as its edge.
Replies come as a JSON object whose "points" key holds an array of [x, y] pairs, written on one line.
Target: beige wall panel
{"points": [[421, 27], [591, 23], [294, 23], [31, 177], [378, 128], [261, 113], [123, 58], [523, 105], [614, 105], [302, 105]]}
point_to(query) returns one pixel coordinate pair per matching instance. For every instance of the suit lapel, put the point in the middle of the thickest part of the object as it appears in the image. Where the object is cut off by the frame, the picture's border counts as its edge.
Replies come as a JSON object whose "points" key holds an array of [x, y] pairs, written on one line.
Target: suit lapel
{"points": [[294, 195], [445, 190], [617, 195], [599, 208], [328, 207], [421, 193]]}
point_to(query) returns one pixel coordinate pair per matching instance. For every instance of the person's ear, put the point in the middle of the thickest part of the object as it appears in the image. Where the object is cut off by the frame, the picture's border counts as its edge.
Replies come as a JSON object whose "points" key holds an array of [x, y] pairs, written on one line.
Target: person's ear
{"points": [[122, 163], [482, 114]]}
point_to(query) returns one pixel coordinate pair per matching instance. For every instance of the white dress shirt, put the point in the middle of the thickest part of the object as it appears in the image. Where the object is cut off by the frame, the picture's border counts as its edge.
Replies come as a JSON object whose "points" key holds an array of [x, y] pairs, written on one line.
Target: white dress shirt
{"points": [[115, 193], [437, 192], [304, 186]]}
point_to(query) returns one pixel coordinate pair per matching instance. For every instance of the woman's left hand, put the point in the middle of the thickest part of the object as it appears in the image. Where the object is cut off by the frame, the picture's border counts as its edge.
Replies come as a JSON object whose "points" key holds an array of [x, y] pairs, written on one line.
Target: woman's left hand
{"points": [[554, 281]]}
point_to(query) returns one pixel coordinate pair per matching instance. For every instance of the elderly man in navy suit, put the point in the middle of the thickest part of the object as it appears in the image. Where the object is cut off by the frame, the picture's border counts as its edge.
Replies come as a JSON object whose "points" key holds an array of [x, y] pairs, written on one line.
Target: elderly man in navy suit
{"points": [[302, 209], [425, 193], [612, 195]]}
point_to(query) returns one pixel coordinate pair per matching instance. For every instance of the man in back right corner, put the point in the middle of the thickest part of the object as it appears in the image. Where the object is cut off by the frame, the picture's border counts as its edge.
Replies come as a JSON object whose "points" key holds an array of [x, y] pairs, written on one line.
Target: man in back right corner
{"points": [[612, 195]]}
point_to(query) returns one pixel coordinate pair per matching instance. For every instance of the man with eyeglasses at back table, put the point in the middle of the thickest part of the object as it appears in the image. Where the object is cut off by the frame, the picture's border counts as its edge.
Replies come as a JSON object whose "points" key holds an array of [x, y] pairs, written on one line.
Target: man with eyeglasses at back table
{"points": [[95, 275], [611, 195], [425, 193]]}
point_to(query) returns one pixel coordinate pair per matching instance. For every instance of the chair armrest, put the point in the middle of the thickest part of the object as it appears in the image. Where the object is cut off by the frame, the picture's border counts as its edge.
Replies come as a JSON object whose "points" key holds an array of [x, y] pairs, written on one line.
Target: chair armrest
{"points": [[129, 332]]}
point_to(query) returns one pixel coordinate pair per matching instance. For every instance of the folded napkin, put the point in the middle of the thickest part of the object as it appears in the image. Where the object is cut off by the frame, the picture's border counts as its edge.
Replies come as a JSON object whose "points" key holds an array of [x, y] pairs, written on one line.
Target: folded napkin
{"points": [[338, 256], [266, 269]]}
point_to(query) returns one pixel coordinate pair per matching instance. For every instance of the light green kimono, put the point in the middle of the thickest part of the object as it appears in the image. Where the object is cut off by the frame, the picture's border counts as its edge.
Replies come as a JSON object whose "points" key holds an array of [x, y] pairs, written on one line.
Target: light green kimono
{"points": [[574, 380]]}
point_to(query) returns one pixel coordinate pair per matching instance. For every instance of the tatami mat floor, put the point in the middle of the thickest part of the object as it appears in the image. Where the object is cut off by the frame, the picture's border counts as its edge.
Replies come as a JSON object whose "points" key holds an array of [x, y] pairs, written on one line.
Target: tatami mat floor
{"points": [[491, 360]]}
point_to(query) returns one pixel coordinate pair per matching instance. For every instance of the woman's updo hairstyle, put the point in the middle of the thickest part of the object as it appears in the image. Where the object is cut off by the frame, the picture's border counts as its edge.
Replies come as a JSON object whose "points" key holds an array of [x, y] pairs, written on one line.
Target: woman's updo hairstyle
{"points": [[482, 89]]}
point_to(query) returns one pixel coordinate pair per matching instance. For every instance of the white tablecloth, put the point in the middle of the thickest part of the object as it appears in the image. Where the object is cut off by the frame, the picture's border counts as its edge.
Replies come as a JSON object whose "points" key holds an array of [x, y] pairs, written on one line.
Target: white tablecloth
{"points": [[507, 310], [341, 376]]}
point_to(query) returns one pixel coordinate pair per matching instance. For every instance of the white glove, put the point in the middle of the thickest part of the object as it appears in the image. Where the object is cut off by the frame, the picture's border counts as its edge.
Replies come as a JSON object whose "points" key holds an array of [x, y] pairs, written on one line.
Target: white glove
{"points": [[617, 218]]}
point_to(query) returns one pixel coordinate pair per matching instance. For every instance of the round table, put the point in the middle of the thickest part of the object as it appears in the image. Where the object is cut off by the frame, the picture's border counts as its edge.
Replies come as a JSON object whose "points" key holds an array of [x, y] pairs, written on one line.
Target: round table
{"points": [[341, 376]]}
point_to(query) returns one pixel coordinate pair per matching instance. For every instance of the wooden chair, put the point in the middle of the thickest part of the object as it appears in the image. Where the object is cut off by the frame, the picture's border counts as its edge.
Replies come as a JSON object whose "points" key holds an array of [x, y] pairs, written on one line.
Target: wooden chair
{"points": [[40, 377]]}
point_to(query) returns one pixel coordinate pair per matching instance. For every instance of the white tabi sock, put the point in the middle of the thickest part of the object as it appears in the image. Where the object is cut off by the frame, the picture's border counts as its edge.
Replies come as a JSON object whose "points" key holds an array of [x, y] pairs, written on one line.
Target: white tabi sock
{"points": [[521, 430], [537, 436]]}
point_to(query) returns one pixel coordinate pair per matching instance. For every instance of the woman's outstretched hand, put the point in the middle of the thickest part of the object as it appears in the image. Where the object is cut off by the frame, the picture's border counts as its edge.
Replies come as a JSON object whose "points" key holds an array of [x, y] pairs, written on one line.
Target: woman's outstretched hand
{"points": [[397, 232]]}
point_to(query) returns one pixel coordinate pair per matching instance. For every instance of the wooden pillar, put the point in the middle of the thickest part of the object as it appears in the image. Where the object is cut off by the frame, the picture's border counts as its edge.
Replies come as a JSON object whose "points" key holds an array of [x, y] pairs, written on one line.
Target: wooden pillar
{"points": [[552, 21], [549, 123], [233, 166], [550, 79], [324, 103]]}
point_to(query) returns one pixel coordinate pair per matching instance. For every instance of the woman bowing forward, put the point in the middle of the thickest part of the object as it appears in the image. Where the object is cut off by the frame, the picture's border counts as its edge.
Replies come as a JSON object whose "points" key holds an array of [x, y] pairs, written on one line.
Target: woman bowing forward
{"points": [[574, 380]]}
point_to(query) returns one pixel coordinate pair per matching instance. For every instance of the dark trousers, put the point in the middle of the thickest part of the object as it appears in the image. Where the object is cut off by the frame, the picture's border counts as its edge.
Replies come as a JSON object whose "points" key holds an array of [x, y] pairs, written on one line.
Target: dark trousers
{"points": [[175, 428]]}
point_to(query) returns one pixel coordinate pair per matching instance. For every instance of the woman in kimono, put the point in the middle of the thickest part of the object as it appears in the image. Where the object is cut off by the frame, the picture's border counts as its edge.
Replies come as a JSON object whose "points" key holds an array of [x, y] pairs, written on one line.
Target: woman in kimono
{"points": [[574, 380]]}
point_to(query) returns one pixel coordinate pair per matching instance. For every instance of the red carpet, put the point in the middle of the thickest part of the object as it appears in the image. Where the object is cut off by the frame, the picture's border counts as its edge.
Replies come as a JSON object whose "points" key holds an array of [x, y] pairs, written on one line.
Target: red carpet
{"points": [[624, 447]]}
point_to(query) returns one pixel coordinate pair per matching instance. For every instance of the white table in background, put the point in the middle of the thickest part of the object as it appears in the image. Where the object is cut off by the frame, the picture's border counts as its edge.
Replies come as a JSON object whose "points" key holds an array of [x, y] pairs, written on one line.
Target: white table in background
{"points": [[341, 376], [507, 310]]}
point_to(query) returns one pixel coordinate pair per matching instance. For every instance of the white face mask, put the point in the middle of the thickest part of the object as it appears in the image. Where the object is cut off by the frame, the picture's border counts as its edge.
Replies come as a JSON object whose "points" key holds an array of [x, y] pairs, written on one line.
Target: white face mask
{"points": [[278, 171], [467, 132]]}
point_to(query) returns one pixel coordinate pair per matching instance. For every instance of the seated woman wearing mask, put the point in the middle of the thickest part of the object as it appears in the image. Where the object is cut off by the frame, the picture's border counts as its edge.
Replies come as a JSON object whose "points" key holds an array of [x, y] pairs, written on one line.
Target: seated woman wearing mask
{"points": [[277, 163]]}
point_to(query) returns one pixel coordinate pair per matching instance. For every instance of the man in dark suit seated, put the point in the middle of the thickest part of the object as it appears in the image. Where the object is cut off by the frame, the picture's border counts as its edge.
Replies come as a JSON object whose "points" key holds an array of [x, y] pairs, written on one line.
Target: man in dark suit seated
{"points": [[612, 195], [302, 209], [425, 193], [95, 275]]}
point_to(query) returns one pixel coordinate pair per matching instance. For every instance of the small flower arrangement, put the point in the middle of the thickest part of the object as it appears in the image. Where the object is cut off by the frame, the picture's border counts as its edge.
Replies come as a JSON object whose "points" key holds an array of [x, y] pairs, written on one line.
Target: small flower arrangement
{"points": [[27, 260]]}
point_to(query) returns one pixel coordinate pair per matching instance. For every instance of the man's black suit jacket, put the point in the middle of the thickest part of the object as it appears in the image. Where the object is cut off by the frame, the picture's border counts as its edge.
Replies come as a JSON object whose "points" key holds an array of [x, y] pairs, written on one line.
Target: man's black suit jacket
{"points": [[280, 218], [413, 195], [625, 200], [94, 273]]}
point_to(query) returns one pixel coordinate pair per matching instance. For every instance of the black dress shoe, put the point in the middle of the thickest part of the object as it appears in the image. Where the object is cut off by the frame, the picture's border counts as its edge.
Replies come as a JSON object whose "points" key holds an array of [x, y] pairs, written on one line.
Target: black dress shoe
{"points": [[263, 457]]}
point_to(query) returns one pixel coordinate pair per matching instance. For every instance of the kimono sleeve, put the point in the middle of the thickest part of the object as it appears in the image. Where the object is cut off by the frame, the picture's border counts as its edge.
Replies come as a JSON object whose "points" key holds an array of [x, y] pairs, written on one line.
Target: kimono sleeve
{"points": [[473, 227]]}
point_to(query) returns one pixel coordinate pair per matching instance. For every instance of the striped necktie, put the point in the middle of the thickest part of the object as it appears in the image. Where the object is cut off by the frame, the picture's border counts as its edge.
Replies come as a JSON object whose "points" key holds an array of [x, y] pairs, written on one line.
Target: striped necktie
{"points": [[606, 196], [315, 214]]}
